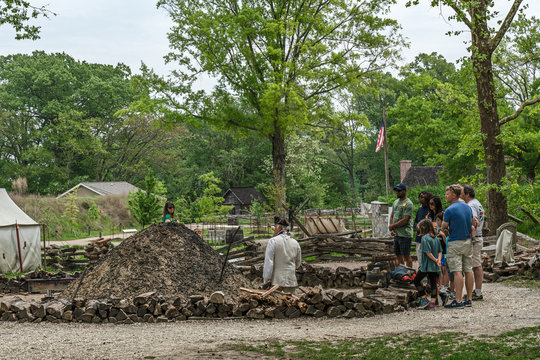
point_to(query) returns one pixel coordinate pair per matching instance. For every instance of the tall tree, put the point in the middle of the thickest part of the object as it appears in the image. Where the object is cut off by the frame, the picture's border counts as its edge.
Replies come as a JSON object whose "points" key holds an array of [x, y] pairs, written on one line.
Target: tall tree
{"points": [[517, 68], [485, 39], [59, 122], [346, 134], [276, 62]]}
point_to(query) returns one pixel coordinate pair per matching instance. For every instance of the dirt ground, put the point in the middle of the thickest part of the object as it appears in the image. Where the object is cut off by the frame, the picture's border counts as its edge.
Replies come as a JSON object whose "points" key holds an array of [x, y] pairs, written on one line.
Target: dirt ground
{"points": [[505, 308]]}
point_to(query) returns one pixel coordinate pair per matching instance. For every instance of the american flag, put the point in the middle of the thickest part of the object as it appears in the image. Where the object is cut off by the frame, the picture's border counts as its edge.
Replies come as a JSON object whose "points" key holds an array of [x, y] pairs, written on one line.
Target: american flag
{"points": [[380, 138]]}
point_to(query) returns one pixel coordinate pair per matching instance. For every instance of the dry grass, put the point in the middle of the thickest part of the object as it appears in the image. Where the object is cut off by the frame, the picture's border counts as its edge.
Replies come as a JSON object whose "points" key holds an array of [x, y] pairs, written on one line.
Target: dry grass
{"points": [[54, 213]]}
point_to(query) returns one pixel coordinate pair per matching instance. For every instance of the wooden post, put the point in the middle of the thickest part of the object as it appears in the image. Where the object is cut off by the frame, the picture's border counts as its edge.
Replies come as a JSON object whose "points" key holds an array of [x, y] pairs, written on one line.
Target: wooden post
{"points": [[386, 171], [227, 255], [19, 245]]}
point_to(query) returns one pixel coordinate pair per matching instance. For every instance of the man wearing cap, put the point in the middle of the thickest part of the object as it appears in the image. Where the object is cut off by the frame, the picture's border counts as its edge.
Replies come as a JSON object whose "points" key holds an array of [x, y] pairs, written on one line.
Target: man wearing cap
{"points": [[282, 257], [401, 225]]}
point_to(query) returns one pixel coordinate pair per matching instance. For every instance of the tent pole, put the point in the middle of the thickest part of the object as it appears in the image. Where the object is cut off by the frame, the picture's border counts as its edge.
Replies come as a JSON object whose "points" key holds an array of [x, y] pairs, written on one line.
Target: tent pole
{"points": [[19, 245], [43, 229]]}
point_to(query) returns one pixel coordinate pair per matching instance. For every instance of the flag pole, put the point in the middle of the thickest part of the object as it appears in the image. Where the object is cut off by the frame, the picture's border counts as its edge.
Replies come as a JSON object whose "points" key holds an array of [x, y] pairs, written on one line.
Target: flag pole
{"points": [[386, 171]]}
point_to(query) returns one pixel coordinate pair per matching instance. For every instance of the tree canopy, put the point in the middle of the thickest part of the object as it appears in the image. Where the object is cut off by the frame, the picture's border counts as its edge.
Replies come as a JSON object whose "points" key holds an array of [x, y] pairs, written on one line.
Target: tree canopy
{"points": [[276, 63], [18, 14]]}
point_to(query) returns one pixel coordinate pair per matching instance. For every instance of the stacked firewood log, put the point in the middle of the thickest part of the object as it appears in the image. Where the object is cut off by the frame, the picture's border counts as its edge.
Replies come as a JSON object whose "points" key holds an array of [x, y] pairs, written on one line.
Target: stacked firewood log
{"points": [[327, 277], [253, 304], [68, 258], [526, 263], [323, 247], [18, 284], [97, 249]]}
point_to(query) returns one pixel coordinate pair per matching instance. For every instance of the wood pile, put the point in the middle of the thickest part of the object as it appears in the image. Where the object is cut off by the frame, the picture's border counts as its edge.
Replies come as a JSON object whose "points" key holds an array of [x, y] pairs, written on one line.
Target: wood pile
{"points": [[97, 249], [18, 284], [64, 258], [527, 263], [327, 277], [254, 304], [325, 247]]}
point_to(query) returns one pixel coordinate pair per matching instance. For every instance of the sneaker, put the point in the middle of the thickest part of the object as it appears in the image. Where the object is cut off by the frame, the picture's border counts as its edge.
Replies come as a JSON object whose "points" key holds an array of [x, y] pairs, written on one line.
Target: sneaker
{"points": [[424, 303], [467, 303], [452, 296], [476, 297], [454, 305], [431, 306]]}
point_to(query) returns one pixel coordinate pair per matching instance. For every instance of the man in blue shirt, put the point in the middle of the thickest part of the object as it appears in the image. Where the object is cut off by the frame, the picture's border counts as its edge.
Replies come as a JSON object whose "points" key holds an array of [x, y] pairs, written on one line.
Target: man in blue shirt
{"points": [[458, 219]]}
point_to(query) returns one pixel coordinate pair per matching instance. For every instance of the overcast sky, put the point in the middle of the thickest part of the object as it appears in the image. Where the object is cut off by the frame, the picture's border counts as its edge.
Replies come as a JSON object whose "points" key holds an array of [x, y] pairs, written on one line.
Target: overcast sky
{"points": [[111, 31]]}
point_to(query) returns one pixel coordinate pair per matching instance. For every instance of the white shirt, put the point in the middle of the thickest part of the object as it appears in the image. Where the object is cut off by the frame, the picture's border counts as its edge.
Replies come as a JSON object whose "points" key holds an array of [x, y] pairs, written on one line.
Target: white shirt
{"points": [[478, 213], [282, 257]]}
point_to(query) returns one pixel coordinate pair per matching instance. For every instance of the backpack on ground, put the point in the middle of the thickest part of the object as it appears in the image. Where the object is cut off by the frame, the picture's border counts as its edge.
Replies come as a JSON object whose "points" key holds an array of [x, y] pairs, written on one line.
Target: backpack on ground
{"points": [[403, 273]]}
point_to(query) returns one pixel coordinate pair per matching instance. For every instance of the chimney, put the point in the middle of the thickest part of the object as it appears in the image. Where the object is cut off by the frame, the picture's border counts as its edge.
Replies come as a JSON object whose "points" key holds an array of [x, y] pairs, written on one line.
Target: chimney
{"points": [[404, 166]]}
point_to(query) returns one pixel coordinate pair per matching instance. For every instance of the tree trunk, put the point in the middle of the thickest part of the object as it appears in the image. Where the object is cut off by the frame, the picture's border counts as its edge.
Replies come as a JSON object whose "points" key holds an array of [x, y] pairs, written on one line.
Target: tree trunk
{"points": [[278, 162], [489, 119], [353, 190]]}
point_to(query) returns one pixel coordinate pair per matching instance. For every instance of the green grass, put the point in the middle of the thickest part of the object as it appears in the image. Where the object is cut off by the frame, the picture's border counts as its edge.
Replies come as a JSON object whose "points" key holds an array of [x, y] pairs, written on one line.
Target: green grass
{"points": [[72, 246], [518, 344], [12, 275], [526, 281]]}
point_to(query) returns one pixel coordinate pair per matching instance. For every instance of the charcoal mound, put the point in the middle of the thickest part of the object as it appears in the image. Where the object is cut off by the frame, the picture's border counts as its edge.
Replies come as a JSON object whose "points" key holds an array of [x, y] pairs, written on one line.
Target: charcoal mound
{"points": [[169, 259]]}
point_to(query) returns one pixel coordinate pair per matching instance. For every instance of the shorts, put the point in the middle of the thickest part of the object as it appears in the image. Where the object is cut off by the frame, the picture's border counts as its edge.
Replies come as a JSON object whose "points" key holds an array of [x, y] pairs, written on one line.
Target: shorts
{"points": [[477, 246], [402, 245], [459, 255]]}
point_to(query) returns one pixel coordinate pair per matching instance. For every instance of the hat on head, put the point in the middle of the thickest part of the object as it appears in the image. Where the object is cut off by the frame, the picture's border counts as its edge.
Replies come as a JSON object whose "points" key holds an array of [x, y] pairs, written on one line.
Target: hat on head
{"points": [[282, 222], [400, 186]]}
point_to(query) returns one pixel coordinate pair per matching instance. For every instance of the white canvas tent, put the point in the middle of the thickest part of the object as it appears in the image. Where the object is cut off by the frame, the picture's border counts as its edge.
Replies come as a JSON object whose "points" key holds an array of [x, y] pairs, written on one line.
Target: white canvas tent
{"points": [[19, 238]]}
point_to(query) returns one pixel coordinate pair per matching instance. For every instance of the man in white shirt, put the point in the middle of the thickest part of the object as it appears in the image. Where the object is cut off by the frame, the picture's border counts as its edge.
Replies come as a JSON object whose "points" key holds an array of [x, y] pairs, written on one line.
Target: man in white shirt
{"points": [[468, 195], [282, 257]]}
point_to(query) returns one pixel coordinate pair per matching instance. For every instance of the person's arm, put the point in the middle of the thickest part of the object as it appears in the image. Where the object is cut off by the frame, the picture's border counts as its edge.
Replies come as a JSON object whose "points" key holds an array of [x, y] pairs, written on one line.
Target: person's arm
{"points": [[439, 258], [443, 235], [431, 257], [268, 268], [391, 220], [400, 223], [475, 224], [444, 225], [298, 259]]}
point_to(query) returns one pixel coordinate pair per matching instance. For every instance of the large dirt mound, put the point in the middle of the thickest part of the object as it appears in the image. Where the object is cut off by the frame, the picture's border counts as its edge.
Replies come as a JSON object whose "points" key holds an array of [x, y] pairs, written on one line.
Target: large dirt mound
{"points": [[167, 258]]}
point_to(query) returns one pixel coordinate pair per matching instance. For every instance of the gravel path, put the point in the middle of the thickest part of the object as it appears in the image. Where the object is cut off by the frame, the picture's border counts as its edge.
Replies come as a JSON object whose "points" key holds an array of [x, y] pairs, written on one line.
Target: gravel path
{"points": [[504, 309]]}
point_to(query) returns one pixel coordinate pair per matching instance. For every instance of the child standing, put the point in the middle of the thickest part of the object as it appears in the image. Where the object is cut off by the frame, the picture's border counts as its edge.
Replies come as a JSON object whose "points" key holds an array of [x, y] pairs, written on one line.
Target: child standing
{"points": [[430, 263]]}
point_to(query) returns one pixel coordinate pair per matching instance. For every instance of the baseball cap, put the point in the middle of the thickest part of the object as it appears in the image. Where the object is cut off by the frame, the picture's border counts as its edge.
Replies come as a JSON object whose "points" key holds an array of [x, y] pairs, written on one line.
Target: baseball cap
{"points": [[400, 186]]}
